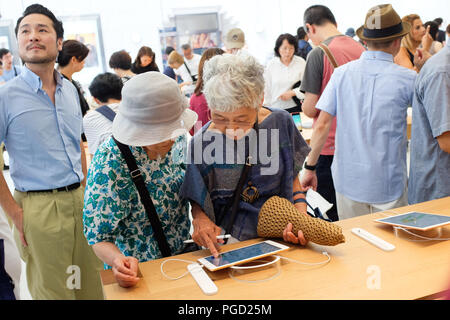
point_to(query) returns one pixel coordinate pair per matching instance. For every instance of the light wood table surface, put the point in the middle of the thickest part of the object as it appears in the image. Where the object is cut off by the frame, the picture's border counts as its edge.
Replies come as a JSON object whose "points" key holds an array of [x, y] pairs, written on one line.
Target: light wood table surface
{"points": [[358, 270]]}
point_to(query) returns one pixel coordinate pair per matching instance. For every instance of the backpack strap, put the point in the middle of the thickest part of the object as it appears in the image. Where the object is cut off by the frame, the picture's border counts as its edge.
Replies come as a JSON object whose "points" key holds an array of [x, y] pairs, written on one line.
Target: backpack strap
{"points": [[146, 200], [107, 112], [329, 54]]}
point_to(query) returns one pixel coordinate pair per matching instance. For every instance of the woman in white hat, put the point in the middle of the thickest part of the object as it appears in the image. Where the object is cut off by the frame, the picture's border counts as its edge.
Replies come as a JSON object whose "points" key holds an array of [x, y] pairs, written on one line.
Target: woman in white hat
{"points": [[131, 214]]}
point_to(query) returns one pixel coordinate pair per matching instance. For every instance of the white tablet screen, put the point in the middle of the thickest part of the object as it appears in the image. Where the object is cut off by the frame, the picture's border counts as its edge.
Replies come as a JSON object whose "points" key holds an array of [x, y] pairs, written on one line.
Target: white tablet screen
{"points": [[417, 220]]}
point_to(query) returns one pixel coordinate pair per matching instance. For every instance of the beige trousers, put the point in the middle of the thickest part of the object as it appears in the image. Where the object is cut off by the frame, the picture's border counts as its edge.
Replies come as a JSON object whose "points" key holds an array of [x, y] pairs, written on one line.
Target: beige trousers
{"points": [[60, 265], [348, 208]]}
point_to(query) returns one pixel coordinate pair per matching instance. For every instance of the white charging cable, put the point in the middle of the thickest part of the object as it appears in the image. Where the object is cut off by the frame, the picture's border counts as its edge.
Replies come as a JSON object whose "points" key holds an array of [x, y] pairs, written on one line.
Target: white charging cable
{"points": [[419, 236], [423, 239], [177, 278], [307, 263], [247, 268], [230, 272]]}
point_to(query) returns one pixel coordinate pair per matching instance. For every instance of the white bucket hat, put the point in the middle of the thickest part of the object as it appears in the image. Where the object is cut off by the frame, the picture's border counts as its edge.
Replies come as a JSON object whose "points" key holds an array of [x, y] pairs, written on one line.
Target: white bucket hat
{"points": [[152, 110]]}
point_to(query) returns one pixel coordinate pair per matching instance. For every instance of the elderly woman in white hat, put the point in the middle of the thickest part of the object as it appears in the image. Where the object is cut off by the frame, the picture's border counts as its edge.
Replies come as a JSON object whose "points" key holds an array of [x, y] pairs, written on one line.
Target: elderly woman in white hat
{"points": [[132, 210], [230, 175]]}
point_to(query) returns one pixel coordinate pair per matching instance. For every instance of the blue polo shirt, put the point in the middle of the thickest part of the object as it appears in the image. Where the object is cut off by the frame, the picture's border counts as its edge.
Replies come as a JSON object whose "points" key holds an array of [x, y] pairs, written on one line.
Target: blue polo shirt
{"points": [[42, 138], [369, 98], [429, 177]]}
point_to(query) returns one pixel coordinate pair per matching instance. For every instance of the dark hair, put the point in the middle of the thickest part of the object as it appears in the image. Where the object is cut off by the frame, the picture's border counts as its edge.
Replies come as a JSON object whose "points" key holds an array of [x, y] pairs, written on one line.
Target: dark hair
{"points": [[290, 39], [72, 48], [318, 15], [438, 21], [120, 60], [106, 86], [381, 44], [448, 29], [39, 9], [145, 51], [208, 54], [434, 29], [169, 50], [3, 52], [186, 46], [301, 33]]}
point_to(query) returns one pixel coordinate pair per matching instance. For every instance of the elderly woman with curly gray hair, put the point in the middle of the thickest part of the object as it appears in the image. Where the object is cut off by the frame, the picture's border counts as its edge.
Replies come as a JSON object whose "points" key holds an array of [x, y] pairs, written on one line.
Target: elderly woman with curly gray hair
{"points": [[246, 154]]}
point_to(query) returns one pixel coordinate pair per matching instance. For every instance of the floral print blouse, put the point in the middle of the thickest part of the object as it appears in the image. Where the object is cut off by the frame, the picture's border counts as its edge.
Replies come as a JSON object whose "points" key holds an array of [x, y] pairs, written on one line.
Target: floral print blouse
{"points": [[113, 211]]}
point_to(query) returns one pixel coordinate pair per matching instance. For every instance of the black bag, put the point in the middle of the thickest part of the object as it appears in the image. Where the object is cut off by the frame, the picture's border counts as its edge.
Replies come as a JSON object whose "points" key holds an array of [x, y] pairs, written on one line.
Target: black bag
{"points": [[147, 202], [298, 103], [233, 202], [194, 78]]}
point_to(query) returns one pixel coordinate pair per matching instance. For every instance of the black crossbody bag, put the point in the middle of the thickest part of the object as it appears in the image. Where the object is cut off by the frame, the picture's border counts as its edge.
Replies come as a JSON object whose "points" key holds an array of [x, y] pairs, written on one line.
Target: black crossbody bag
{"points": [[194, 78], [146, 200], [233, 202]]}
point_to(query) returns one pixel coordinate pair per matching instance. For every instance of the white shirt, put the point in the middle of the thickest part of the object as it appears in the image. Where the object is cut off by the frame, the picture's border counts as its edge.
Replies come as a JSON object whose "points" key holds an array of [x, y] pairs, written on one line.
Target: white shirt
{"points": [[185, 76], [97, 128], [280, 78]]}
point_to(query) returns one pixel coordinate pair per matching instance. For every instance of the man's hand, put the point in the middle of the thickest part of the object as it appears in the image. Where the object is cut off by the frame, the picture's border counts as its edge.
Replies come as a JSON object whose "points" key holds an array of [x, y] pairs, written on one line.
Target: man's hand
{"points": [[287, 95], [17, 218], [309, 180], [420, 58], [288, 236], [205, 233], [125, 271]]}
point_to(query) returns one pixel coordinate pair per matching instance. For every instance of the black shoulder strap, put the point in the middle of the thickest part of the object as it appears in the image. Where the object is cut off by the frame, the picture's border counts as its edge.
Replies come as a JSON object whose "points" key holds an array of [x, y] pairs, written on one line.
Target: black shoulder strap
{"points": [[233, 202], [188, 70], [107, 112], [15, 71], [146, 200]]}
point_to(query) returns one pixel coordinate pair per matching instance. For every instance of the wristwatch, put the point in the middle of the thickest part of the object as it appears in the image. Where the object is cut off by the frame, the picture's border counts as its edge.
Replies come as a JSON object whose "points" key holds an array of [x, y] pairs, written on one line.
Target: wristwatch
{"points": [[308, 167]]}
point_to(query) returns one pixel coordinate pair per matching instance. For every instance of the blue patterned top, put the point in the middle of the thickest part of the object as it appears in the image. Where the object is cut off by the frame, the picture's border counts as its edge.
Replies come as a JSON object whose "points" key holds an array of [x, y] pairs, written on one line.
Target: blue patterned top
{"points": [[113, 211]]}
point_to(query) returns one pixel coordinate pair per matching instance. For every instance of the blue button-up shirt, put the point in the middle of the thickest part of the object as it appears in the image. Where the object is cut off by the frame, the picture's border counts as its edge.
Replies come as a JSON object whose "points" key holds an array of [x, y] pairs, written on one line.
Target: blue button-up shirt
{"points": [[430, 166], [369, 98], [42, 138]]}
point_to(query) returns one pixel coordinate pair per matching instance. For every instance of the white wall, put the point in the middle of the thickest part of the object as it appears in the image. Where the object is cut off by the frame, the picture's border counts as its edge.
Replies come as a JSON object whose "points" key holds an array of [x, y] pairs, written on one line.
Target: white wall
{"points": [[133, 23]]}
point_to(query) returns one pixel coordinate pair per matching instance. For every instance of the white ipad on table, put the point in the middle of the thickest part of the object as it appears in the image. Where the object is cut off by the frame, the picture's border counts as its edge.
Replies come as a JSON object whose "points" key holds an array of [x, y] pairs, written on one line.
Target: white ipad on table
{"points": [[417, 221], [242, 255]]}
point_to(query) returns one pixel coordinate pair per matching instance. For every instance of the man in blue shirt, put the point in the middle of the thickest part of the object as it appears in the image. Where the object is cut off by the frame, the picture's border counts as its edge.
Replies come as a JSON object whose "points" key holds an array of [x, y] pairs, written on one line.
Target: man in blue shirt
{"points": [[369, 97], [430, 133], [41, 125], [10, 71]]}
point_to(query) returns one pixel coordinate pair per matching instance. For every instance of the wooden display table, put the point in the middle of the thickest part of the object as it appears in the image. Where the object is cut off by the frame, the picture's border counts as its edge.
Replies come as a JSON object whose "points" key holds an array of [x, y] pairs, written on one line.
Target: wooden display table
{"points": [[358, 270]]}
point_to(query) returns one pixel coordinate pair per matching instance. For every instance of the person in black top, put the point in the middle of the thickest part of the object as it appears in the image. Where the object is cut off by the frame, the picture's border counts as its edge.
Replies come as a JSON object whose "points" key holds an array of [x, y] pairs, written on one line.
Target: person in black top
{"points": [[145, 61], [71, 60], [441, 33]]}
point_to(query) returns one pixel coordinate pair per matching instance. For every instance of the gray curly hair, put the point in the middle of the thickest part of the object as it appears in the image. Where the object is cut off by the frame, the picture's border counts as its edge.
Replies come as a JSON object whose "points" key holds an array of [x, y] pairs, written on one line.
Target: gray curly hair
{"points": [[233, 82]]}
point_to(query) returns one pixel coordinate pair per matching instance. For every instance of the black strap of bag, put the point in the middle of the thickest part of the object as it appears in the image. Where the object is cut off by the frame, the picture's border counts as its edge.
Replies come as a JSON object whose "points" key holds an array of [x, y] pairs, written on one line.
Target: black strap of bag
{"points": [[146, 200], [15, 71], [233, 202], [107, 112], [194, 78], [297, 101]]}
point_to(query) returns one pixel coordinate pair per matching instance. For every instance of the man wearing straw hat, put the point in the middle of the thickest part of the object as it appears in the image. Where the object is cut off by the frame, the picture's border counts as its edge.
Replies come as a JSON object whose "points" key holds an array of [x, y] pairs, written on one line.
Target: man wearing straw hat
{"points": [[369, 97]]}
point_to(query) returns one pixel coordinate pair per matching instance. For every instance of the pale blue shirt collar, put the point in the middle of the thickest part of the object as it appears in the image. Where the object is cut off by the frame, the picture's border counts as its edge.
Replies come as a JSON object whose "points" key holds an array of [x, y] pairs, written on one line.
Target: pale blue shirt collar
{"points": [[35, 82], [377, 55]]}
